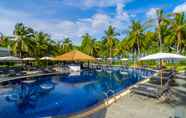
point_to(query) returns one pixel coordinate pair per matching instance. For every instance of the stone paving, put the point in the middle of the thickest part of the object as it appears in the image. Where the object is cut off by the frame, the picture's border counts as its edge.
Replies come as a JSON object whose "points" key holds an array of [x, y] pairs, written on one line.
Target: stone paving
{"points": [[137, 106]]}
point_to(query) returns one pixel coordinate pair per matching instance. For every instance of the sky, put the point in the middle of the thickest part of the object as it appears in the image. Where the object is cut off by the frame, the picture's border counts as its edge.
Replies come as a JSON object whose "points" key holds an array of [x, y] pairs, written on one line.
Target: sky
{"points": [[73, 18]]}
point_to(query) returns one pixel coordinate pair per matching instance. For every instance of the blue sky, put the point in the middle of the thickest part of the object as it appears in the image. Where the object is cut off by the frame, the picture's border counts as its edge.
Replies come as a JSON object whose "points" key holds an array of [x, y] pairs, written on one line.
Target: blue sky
{"points": [[72, 18]]}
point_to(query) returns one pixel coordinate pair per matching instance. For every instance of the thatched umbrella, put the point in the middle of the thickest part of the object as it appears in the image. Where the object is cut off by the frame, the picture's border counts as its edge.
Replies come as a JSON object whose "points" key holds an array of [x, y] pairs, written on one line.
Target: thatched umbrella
{"points": [[74, 56]]}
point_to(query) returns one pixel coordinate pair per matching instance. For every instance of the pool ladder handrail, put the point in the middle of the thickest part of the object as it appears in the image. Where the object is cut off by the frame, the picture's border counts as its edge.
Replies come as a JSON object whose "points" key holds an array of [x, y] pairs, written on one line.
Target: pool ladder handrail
{"points": [[106, 93]]}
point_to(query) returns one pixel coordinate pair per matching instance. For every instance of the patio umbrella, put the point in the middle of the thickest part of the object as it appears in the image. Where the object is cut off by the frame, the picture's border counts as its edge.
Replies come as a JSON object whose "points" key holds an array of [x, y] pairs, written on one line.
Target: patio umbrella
{"points": [[10, 58], [47, 58], [29, 59], [161, 57], [124, 59], [98, 59], [109, 58]]}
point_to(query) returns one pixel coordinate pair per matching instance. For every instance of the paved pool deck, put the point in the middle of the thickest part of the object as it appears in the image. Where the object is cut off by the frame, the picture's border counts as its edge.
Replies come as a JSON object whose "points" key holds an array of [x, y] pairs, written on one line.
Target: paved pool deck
{"points": [[137, 106]]}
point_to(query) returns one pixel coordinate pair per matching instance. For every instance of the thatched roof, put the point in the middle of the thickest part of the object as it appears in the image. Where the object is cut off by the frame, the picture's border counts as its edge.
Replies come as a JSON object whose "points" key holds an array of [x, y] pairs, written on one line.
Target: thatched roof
{"points": [[74, 56]]}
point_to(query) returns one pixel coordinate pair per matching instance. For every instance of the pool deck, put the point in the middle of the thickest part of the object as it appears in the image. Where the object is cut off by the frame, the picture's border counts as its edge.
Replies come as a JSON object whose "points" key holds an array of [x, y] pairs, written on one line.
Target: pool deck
{"points": [[137, 106]]}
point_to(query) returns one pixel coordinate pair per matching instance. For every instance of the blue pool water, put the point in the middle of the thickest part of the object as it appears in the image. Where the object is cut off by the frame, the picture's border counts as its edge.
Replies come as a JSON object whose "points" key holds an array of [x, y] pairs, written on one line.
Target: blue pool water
{"points": [[64, 94]]}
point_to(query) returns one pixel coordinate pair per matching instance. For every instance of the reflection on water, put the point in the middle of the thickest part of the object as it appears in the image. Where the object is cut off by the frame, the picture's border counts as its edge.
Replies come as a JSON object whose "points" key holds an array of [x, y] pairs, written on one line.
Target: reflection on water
{"points": [[26, 95], [65, 94]]}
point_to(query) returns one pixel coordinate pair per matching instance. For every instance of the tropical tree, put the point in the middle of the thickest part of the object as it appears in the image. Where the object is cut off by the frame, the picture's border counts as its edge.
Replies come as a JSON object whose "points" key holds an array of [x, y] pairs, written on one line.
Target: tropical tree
{"points": [[110, 37], [87, 45], [67, 45], [136, 37], [5, 42], [123, 47], [162, 29], [42, 44], [178, 28], [23, 43], [97, 48], [150, 43]]}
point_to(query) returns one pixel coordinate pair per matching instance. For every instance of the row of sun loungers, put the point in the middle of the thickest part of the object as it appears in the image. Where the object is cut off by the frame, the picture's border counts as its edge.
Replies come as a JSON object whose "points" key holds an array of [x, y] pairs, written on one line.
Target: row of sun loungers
{"points": [[147, 90], [155, 90], [151, 90], [181, 75], [20, 73]]}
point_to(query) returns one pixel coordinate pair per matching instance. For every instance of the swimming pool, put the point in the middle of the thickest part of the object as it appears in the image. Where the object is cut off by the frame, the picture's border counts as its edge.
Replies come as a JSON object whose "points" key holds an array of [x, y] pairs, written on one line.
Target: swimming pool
{"points": [[64, 94]]}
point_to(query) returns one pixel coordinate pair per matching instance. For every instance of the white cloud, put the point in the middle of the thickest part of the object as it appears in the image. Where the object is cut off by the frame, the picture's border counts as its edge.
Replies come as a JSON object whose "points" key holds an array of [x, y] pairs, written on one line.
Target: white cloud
{"points": [[100, 21], [151, 13], [58, 29], [180, 8], [94, 3]]}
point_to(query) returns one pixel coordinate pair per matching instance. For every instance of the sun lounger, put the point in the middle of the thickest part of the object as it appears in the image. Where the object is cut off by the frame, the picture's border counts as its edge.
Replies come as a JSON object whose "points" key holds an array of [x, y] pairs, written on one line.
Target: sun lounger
{"points": [[166, 76], [147, 91], [181, 75], [151, 90]]}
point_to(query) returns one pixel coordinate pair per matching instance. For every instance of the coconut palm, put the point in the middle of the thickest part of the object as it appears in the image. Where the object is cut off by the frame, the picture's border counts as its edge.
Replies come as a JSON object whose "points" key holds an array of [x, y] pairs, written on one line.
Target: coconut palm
{"points": [[178, 28], [42, 44], [23, 43], [110, 36], [87, 45], [136, 37], [67, 45], [5, 41], [162, 28]]}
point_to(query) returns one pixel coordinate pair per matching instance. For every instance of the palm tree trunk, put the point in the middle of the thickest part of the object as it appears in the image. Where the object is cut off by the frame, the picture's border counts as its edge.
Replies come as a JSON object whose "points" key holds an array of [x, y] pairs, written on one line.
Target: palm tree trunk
{"points": [[159, 36], [110, 53], [138, 46], [178, 42]]}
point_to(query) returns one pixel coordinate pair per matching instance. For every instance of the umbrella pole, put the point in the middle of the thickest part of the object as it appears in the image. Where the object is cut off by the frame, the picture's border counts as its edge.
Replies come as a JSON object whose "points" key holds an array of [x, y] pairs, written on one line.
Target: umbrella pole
{"points": [[161, 76], [88, 65]]}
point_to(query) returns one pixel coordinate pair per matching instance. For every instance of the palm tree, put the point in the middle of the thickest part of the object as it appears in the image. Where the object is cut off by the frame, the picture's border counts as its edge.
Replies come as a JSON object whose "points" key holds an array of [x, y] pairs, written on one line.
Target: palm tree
{"points": [[67, 45], [22, 44], [97, 48], [162, 27], [136, 37], [178, 28], [110, 39], [159, 13], [87, 45], [150, 43], [5, 41], [42, 44], [123, 47]]}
